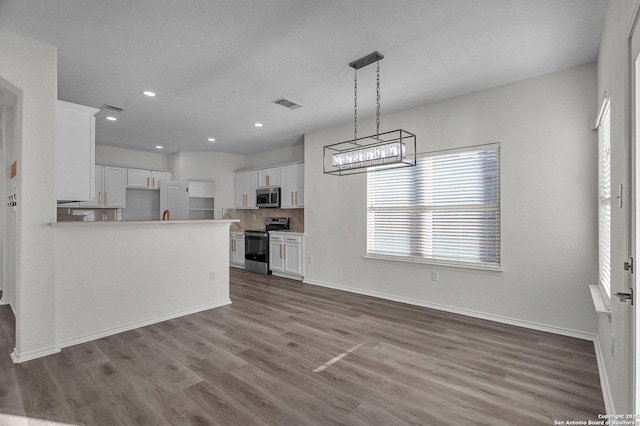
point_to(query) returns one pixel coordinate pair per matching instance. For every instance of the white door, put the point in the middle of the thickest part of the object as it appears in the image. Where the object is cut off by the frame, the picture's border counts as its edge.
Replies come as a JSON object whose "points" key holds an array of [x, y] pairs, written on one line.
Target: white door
{"points": [[174, 199]]}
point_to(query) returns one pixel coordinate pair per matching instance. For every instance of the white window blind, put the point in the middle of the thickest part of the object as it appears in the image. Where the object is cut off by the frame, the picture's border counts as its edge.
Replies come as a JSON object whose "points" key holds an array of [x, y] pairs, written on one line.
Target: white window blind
{"points": [[445, 210], [604, 196]]}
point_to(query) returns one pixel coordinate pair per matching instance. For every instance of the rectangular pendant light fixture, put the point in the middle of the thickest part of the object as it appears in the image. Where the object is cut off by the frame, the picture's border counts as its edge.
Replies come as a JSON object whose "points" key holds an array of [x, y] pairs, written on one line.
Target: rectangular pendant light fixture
{"points": [[388, 150], [393, 149]]}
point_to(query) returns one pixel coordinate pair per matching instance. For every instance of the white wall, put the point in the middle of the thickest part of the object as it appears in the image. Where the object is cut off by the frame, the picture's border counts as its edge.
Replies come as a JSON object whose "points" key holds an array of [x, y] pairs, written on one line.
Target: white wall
{"points": [[29, 69], [615, 335], [122, 157], [210, 165], [289, 154], [549, 219], [115, 277]]}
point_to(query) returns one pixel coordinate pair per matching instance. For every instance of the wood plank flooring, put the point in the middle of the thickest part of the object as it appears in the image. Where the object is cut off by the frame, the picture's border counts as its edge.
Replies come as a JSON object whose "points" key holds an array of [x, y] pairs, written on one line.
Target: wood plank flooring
{"points": [[285, 353]]}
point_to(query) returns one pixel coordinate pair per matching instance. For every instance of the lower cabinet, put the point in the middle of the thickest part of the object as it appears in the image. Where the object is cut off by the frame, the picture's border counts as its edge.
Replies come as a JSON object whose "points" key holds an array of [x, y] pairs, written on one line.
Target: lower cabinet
{"points": [[236, 249], [286, 254]]}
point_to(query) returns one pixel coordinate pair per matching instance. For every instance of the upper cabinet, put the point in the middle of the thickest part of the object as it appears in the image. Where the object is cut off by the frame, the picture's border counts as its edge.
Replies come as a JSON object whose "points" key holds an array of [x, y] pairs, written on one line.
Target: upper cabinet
{"points": [[109, 188], [246, 185], [148, 179], [289, 177], [292, 190], [75, 152], [269, 177]]}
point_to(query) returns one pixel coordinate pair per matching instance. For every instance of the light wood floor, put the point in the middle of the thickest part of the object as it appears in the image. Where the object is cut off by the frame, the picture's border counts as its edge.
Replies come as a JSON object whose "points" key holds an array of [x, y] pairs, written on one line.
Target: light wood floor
{"points": [[285, 353]]}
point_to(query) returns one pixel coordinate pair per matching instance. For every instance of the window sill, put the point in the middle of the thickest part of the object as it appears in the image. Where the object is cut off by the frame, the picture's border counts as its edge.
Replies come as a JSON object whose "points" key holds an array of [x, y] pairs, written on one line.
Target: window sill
{"points": [[599, 301], [431, 264]]}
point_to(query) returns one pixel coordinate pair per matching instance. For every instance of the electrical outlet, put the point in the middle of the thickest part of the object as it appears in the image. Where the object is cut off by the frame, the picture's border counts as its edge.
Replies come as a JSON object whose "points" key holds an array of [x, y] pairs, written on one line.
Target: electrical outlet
{"points": [[435, 276], [212, 276]]}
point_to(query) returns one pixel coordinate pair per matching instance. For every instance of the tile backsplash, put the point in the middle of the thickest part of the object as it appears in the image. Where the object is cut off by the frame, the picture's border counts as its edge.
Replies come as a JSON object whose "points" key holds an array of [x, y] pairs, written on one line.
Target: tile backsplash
{"points": [[254, 219]]}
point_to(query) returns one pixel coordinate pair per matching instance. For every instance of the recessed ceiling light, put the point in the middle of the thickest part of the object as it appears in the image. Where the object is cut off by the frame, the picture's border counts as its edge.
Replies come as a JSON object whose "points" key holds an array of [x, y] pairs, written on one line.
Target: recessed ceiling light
{"points": [[159, 146], [149, 93], [258, 124], [111, 118], [211, 139]]}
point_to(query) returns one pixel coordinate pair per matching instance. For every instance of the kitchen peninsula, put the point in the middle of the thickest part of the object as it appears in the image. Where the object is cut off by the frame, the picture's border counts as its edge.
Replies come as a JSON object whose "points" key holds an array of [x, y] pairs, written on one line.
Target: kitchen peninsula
{"points": [[115, 276]]}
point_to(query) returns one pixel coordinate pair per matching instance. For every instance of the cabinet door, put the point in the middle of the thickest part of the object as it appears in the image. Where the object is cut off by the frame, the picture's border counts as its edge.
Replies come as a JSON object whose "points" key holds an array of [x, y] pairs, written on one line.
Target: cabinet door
{"points": [[241, 190], [137, 178], [156, 177], [98, 199], [114, 187], [252, 185], [276, 256], [240, 251], [75, 152], [293, 258], [269, 177], [288, 188], [299, 194]]}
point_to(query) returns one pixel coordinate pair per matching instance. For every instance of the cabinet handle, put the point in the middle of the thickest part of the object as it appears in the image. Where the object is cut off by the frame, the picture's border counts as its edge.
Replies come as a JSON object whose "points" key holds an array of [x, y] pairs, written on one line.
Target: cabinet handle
{"points": [[147, 181], [285, 252], [292, 199], [280, 251], [99, 198], [106, 198], [296, 198], [154, 182], [267, 180]]}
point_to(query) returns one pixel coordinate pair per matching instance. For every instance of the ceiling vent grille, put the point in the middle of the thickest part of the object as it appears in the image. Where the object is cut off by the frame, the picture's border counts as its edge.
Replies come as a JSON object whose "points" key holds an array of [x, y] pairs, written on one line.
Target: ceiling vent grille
{"points": [[111, 108], [287, 103]]}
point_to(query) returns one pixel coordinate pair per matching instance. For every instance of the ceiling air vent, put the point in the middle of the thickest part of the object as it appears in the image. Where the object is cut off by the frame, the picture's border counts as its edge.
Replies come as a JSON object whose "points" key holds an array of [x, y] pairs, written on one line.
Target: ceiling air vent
{"points": [[111, 108], [287, 103]]}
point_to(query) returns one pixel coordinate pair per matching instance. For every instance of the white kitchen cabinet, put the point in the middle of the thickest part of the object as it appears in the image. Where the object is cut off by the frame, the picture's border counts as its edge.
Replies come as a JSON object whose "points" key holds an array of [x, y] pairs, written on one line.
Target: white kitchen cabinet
{"points": [[269, 177], [246, 185], [75, 152], [286, 254], [109, 188], [292, 189], [157, 177], [150, 179], [174, 199], [236, 249]]}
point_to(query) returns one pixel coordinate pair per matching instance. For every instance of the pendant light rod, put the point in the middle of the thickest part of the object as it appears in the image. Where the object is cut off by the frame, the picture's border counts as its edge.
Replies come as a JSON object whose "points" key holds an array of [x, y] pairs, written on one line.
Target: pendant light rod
{"points": [[367, 60]]}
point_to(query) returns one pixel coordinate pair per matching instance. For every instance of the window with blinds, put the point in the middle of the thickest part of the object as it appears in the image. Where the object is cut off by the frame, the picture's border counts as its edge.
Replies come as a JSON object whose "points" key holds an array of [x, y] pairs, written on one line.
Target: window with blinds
{"points": [[445, 210], [604, 196]]}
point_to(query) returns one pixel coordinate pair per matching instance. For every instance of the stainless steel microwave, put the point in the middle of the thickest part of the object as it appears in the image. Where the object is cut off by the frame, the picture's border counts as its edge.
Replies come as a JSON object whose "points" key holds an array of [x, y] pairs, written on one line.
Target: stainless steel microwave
{"points": [[268, 197]]}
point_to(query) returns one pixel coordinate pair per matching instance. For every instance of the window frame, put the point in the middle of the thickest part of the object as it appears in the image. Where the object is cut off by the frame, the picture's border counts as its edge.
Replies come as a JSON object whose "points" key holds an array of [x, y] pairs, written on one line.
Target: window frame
{"points": [[481, 267], [604, 114]]}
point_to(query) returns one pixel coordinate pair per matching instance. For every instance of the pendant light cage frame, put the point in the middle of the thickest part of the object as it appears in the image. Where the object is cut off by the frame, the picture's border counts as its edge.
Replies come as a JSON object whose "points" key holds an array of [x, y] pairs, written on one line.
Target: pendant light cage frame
{"points": [[388, 150], [381, 151]]}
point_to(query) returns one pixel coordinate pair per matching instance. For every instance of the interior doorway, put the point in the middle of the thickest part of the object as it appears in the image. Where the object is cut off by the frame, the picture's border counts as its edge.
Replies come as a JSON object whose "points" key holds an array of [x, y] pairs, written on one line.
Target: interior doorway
{"points": [[8, 246]]}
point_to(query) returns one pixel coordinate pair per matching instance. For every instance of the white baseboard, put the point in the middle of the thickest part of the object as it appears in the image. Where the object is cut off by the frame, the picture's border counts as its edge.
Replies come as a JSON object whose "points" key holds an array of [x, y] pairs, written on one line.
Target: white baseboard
{"points": [[126, 327], [28, 356], [604, 379], [467, 312]]}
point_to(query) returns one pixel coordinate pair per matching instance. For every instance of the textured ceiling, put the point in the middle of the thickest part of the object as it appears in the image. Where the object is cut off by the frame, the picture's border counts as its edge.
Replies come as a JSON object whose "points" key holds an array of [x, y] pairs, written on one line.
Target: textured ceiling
{"points": [[218, 65]]}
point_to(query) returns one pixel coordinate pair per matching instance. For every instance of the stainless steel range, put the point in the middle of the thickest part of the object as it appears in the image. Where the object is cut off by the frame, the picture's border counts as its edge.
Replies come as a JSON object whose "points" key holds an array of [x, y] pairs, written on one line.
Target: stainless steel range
{"points": [[256, 245]]}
